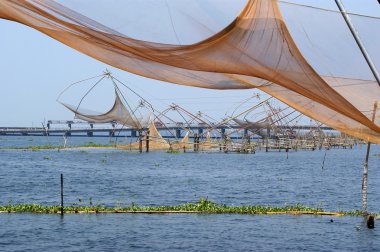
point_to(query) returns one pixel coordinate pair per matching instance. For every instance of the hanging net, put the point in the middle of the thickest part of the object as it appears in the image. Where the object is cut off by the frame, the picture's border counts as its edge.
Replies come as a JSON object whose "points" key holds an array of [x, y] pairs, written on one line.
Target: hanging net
{"points": [[156, 141], [208, 143], [117, 114], [303, 56], [184, 143]]}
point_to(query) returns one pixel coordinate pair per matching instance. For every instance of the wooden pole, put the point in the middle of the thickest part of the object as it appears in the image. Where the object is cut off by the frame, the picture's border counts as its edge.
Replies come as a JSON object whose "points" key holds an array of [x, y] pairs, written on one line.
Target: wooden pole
{"points": [[195, 142], [198, 138], [61, 194], [147, 140], [140, 141], [365, 173]]}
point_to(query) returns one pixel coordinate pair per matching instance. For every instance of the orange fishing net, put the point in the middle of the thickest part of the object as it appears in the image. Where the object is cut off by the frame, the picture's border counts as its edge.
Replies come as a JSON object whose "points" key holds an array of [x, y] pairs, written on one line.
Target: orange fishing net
{"points": [[156, 141], [256, 50]]}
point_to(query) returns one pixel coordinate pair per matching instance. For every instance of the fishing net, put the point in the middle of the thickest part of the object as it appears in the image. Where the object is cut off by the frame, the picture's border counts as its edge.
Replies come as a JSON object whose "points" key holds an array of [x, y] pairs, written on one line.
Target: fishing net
{"points": [[303, 56], [156, 141], [118, 113], [184, 143], [208, 143]]}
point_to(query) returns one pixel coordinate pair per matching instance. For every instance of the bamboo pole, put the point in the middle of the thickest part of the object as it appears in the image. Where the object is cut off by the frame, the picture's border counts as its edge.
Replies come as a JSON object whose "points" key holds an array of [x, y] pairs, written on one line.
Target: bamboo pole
{"points": [[365, 173], [61, 194], [358, 41], [140, 141]]}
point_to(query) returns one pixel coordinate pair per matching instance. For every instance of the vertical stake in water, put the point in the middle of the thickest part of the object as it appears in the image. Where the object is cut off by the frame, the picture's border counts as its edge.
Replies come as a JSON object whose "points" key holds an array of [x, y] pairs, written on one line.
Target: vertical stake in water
{"points": [[61, 194], [377, 77], [140, 141], [147, 140], [195, 142], [365, 173]]}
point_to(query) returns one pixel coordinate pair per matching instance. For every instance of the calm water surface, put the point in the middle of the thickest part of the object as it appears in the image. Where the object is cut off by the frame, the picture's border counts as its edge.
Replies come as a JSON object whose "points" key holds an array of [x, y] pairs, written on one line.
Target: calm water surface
{"points": [[113, 178]]}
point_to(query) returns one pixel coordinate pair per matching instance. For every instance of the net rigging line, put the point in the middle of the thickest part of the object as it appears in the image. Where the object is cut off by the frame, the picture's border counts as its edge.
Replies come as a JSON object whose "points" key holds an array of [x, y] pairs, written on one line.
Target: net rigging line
{"points": [[326, 9], [274, 122], [77, 82], [172, 22], [267, 117], [81, 100], [242, 113]]}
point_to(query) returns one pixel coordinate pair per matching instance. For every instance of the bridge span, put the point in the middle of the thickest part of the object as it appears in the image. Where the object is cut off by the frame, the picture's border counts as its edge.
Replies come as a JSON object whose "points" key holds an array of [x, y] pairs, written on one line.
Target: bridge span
{"points": [[79, 128]]}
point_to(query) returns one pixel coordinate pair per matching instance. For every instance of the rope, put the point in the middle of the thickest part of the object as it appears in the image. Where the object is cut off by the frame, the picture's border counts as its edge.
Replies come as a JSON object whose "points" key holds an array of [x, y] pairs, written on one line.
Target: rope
{"points": [[325, 9], [90, 78], [89, 91], [172, 22]]}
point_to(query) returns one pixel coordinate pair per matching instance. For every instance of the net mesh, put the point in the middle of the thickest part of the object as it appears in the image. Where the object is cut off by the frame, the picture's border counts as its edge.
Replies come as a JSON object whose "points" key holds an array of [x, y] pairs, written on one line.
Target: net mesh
{"points": [[156, 141], [298, 55], [118, 113]]}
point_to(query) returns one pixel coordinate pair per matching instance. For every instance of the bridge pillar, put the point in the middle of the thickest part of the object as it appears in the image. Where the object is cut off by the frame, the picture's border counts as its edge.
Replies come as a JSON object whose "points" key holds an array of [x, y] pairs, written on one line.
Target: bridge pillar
{"points": [[178, 133], [245, 132], [200, 131], [133, 133], [90, 133]]}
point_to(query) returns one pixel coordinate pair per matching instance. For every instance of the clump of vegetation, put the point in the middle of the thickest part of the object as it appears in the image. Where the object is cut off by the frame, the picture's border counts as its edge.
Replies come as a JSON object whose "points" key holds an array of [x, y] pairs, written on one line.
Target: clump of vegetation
{"points": [[203, 206], [173, 151], [355, 213], [34, 208], [95, 145], [39, 147]]}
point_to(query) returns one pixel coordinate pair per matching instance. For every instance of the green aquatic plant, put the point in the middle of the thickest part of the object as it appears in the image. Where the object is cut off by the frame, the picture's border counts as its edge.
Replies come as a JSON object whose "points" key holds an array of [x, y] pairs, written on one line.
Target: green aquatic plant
{"points": [[34, 148], [94, 145], [203, 206], [173, 151]]}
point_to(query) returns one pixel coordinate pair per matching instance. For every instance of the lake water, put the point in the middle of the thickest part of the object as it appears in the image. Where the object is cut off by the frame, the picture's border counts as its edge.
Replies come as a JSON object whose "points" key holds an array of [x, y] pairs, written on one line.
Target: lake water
{"points": [[118, 178]]}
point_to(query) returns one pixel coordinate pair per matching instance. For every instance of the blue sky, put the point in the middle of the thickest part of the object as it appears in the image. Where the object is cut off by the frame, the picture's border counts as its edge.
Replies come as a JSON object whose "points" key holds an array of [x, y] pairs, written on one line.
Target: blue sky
{"points": [[35, 69]]}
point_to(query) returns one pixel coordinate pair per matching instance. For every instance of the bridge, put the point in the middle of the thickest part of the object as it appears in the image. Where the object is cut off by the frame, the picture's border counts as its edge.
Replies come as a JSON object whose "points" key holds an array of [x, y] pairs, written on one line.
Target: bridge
{"points": [[80, 128]]}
